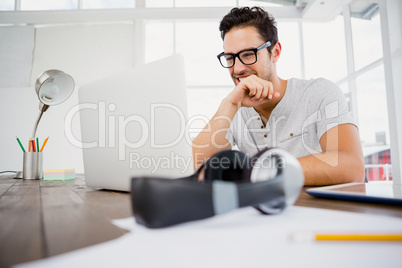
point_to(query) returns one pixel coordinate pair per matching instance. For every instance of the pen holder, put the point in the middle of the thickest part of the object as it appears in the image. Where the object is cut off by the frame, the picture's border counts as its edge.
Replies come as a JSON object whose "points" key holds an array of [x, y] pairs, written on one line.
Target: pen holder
{"points": [[33, 166]]}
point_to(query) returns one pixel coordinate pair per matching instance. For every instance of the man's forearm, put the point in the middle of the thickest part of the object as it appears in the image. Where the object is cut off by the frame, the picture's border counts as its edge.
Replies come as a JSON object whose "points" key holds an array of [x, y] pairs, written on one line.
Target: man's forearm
{"points": [[332, 168], [212, 138]]}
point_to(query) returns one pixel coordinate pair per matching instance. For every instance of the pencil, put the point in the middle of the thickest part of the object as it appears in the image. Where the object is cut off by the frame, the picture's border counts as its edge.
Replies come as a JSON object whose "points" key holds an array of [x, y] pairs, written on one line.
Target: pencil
{"points": [[44, 143], [19, 142], [359, 237], [37, 144], [29, 146]]}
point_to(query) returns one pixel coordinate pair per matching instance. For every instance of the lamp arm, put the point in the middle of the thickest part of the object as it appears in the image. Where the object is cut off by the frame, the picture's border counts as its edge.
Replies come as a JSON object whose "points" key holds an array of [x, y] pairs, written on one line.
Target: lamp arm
{"points": [[42, 108]]}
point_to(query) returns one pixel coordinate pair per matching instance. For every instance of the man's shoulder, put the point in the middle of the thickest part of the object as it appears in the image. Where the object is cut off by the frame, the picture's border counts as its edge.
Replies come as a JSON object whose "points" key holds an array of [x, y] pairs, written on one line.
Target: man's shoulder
{"points": [[312, 84], [314, 89]]}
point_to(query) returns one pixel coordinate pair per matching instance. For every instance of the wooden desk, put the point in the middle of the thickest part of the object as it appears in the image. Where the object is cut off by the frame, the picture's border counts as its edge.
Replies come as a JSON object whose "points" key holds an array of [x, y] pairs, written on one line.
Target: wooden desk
{"points": [[39, 219]]}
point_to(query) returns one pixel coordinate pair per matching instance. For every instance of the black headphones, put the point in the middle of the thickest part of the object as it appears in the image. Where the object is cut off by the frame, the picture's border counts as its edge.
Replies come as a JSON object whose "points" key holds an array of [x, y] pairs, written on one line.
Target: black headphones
{"points": [[269, 181]]}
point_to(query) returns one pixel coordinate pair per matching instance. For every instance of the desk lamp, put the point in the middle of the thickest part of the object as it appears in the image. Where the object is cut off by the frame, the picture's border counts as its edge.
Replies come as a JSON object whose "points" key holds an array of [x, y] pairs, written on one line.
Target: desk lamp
{"points": [[52, 87]]}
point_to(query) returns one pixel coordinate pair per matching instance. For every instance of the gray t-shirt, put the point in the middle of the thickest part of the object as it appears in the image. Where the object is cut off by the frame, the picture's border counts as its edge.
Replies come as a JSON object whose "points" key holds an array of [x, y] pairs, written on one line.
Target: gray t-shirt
{"points": [[308, 109]]}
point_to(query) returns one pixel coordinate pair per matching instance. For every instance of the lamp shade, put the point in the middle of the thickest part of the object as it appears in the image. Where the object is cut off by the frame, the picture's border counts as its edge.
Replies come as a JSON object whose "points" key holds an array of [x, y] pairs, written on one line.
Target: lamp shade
{"points": [[54, 87]]}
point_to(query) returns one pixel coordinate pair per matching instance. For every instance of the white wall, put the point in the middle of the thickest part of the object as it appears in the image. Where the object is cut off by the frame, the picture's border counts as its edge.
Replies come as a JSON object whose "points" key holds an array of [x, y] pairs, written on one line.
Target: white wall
{"points": [[19, 108], [87, 53], [16, 47]]}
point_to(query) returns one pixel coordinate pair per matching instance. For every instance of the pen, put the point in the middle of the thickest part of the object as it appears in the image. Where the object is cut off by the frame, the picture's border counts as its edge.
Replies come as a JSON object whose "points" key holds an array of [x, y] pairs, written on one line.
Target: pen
{"points": [[44, 143], [384, 237], [19, 142]]}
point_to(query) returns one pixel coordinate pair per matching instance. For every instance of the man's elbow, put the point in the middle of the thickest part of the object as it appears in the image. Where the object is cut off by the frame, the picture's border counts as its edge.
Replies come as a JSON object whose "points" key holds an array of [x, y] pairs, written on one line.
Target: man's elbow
{"points": [[355, 172]]}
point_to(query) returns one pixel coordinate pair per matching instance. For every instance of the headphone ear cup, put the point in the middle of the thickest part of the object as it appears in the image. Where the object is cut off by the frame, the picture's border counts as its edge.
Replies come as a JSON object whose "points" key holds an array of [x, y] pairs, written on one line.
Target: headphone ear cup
{"points": [[226, 165], [263, 167], [255, 162], [276, 163]]}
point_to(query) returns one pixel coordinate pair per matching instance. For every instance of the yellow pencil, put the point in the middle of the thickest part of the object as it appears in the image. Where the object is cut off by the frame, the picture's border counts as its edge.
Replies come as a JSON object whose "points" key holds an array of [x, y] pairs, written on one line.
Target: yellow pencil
{"points": [[359, 237], [372, 237], [44, 143]]}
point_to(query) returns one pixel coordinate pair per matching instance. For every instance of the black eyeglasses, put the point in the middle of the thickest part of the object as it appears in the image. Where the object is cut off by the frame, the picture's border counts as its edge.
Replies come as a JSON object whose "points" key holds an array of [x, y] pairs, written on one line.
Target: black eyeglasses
{"points": [[247, 56]]}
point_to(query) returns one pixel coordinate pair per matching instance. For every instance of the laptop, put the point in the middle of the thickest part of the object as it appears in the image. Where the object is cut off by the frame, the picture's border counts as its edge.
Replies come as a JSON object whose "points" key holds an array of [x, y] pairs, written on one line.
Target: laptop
{"points": [[134, 124], [373, 191]]}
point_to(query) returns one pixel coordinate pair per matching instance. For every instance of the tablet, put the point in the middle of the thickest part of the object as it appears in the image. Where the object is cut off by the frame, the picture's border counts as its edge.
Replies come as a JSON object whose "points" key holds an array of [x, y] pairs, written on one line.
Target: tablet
{"points": [[377, 192]]}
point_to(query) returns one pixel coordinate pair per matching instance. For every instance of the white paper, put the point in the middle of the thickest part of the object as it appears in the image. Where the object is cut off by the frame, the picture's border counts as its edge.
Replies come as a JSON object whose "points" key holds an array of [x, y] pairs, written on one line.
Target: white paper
{"points": [[243, 238]]}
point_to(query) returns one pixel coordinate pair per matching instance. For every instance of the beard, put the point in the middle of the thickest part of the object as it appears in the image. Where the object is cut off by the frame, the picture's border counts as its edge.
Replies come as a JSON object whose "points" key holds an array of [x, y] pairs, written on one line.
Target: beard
{"points": [[264, 72], [267, 75]]}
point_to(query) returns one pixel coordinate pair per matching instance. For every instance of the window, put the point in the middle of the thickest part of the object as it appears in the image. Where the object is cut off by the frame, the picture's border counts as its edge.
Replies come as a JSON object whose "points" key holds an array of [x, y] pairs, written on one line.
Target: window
{"points": [[159, 40], [159, 3], [204, 3], [7, 5], [103, 4], [371, 97], [207, 3], [256, 3], [49, 4], [202, 66], [289, 62], [372, 104], [367, 41], [72, 4], [207, 82], [325, 52]]}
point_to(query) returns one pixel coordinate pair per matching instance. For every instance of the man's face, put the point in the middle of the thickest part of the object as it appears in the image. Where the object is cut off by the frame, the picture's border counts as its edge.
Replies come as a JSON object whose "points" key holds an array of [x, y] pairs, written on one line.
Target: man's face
{"points": [[238, 39]]}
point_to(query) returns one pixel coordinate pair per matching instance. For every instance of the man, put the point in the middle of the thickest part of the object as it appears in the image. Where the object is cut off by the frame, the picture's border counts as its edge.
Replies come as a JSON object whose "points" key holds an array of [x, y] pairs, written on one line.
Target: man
{"points": [[308, 118]]}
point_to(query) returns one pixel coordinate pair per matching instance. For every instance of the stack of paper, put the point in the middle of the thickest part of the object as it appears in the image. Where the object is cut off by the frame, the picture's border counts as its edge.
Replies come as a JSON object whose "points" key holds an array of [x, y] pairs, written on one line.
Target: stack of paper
{"points": [[58, 174]]}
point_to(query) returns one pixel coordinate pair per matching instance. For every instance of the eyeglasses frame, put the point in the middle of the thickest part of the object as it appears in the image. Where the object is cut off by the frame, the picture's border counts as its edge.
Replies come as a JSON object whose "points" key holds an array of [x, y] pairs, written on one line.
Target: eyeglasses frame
{"points": [[237, 55]]}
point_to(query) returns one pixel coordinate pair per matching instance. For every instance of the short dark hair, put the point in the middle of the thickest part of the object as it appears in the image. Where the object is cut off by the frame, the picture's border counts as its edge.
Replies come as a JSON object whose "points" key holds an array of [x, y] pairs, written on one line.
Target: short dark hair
{"points": [[241, 17]]}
